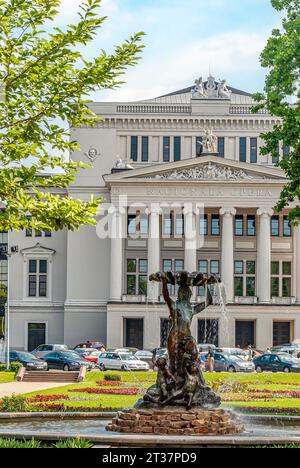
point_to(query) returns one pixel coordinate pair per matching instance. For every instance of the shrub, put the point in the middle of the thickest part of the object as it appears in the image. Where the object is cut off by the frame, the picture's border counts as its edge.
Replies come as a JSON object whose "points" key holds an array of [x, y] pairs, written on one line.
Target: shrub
{"points": [[21, 444], [14, 367], [113, 377], [13, 404], [73, 443]]}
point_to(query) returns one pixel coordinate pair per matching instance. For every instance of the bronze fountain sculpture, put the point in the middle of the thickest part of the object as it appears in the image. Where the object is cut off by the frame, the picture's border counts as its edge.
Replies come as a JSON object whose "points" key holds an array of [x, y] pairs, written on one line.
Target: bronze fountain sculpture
{"points": [[180, 381], [180, 403]]}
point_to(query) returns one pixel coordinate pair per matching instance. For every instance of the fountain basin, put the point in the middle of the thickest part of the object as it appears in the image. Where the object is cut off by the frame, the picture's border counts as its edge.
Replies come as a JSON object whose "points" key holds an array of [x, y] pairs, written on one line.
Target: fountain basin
{"points": [[176, 421], [259, 431]]}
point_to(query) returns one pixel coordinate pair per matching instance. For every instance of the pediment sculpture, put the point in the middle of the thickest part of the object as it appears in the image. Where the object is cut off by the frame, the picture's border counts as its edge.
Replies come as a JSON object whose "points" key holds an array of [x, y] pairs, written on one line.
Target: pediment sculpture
{"points": [[211, 89], [207, 172]]}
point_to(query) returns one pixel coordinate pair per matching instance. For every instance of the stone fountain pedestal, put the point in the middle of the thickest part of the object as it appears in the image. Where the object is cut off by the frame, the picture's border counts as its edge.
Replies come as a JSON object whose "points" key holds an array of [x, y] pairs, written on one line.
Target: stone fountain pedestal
{"points": [[176, 421]]}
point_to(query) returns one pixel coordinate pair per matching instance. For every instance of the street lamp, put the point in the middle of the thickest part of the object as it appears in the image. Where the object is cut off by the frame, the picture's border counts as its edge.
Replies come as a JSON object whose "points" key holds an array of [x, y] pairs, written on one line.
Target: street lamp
{"points": [[5, 254]]}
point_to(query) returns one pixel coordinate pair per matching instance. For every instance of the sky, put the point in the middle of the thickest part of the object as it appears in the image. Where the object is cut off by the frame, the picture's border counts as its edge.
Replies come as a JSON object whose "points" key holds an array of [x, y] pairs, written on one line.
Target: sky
{"points": [[184, 40]]}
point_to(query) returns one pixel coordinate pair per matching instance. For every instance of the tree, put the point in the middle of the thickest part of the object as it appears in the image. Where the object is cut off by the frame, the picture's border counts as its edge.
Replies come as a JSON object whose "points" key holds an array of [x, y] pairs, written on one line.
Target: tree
{"points": [[46, 82], [282, 98]]}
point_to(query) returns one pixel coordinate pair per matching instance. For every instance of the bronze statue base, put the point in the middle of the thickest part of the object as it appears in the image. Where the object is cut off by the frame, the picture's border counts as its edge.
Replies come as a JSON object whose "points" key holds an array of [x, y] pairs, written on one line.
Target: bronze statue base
{"points": [[177, 421]]}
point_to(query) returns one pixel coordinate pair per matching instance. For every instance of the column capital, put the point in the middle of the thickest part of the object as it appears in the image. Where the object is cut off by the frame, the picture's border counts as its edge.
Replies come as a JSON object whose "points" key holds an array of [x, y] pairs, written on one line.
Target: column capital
{"points": [[153, 209], [265, 211], [228, 211]]}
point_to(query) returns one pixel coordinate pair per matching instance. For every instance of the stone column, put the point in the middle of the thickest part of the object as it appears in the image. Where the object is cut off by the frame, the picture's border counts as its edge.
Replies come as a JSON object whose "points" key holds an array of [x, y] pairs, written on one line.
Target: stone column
{"points": [[154, 251], [227, 267], [264, 255], [117, 234], [190, 247], [297, 261]]}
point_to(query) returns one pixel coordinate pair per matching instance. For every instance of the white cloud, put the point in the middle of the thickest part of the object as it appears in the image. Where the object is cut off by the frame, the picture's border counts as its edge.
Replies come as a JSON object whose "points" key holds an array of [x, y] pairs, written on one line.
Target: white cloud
{"points": [[69, 9], [227, 55]]}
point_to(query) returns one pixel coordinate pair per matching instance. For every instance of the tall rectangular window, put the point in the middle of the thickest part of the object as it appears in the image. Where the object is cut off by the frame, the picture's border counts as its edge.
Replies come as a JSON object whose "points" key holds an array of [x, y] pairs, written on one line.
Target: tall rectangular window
{"points": [[275, 226], [281, 279], [243, 149], [37, 278], [253, 150], [287, 228], [215, 225], [276, 155], [199, 146], [203, 225], [166, 149], [244, 279], [251, 226], [286, 151], [221, 146], [179, 225], [134, 148], [177, 148], [239, 225], [145, 149], [168, 225], [137, 270], [131, 224]]}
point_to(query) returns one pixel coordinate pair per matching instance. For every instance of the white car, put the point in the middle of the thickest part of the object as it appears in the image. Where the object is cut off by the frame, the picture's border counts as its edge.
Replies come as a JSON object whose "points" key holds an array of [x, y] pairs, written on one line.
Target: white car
{"points": [[121, 361]]}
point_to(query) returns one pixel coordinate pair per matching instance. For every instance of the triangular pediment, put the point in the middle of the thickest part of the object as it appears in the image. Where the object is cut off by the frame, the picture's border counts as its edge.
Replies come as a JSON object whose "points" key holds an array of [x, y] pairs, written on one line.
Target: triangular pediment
{"points": [[38, 249], [205, 168]]}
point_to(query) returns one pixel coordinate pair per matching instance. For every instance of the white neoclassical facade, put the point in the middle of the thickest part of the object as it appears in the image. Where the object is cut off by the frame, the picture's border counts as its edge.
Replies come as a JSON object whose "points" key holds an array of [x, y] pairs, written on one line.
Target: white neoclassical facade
{"points": [[177, 201]]}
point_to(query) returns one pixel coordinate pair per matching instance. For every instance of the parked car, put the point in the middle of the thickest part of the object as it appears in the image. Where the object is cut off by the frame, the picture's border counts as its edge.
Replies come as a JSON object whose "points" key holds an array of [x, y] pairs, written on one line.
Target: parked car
{"points": [[145, 356], [203, 348], [42, 350], [28, 360], [90, 355], [121, 361], [228, 363], [92, 344], [235, 352], [293, 350], [279, 362], [66, 361]]}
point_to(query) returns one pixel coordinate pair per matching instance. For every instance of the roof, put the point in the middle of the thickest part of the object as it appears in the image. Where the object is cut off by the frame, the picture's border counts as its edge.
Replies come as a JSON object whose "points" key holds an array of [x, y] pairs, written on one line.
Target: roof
{"points": [[190, 88]]}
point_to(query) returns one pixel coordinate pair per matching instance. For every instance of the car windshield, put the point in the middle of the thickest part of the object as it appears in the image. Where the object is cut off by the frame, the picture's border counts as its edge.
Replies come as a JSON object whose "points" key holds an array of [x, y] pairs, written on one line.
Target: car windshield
{"points": [[61, 347], [236, 358], [127, 357], [26, 356], [71, 355]]}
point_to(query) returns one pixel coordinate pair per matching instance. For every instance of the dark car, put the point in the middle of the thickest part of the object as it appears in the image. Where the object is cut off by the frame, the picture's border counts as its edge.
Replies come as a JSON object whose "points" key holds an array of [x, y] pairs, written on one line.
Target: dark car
{"points": [[28, 360], [279, 362], [67, 361]]}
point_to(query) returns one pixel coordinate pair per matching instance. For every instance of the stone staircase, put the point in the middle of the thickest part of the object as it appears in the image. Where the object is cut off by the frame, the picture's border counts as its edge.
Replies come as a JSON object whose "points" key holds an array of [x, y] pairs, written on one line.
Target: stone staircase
{"points": [[51, 376]]}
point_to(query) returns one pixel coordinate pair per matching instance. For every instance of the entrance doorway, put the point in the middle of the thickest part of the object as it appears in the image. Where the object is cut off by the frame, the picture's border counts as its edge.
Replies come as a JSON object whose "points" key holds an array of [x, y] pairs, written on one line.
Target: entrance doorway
{"points": [[244, 333], [134, 333], [208, 332], [281, 333], [36, 335]]}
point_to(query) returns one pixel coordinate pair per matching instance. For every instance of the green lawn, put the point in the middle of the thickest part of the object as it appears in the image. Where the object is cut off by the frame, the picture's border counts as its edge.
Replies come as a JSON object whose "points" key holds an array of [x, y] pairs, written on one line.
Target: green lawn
{"points": [[7, 377], [242, 385]]}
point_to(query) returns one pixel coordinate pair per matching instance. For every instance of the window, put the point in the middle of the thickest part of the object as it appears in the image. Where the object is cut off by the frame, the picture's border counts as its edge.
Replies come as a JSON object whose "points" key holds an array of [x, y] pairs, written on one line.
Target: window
{"points": [[38, 233], [166, 149], [143, 224], [179, 227], [137, 277], [177, 148], [134, 148], [145, 148], [199, 146], [203, 225], [176, 265], [239, 225], [48, 233], [28, 232], [251, 226], [215, 225], [275, 226], [287, 228], [131, 224], [215, 267], [244, 279], [221, 146], [286, 151], [253, 150], [281, 279], [243, 149], [168, 224], [37, 280], [207, 267], [276, 156]]}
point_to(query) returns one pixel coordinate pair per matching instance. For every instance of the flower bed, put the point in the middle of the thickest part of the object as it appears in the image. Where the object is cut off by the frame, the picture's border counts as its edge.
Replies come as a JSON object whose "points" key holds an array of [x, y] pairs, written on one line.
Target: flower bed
{"points": [[109, 383], [107, 391], [52, 407], [45, 398]]}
